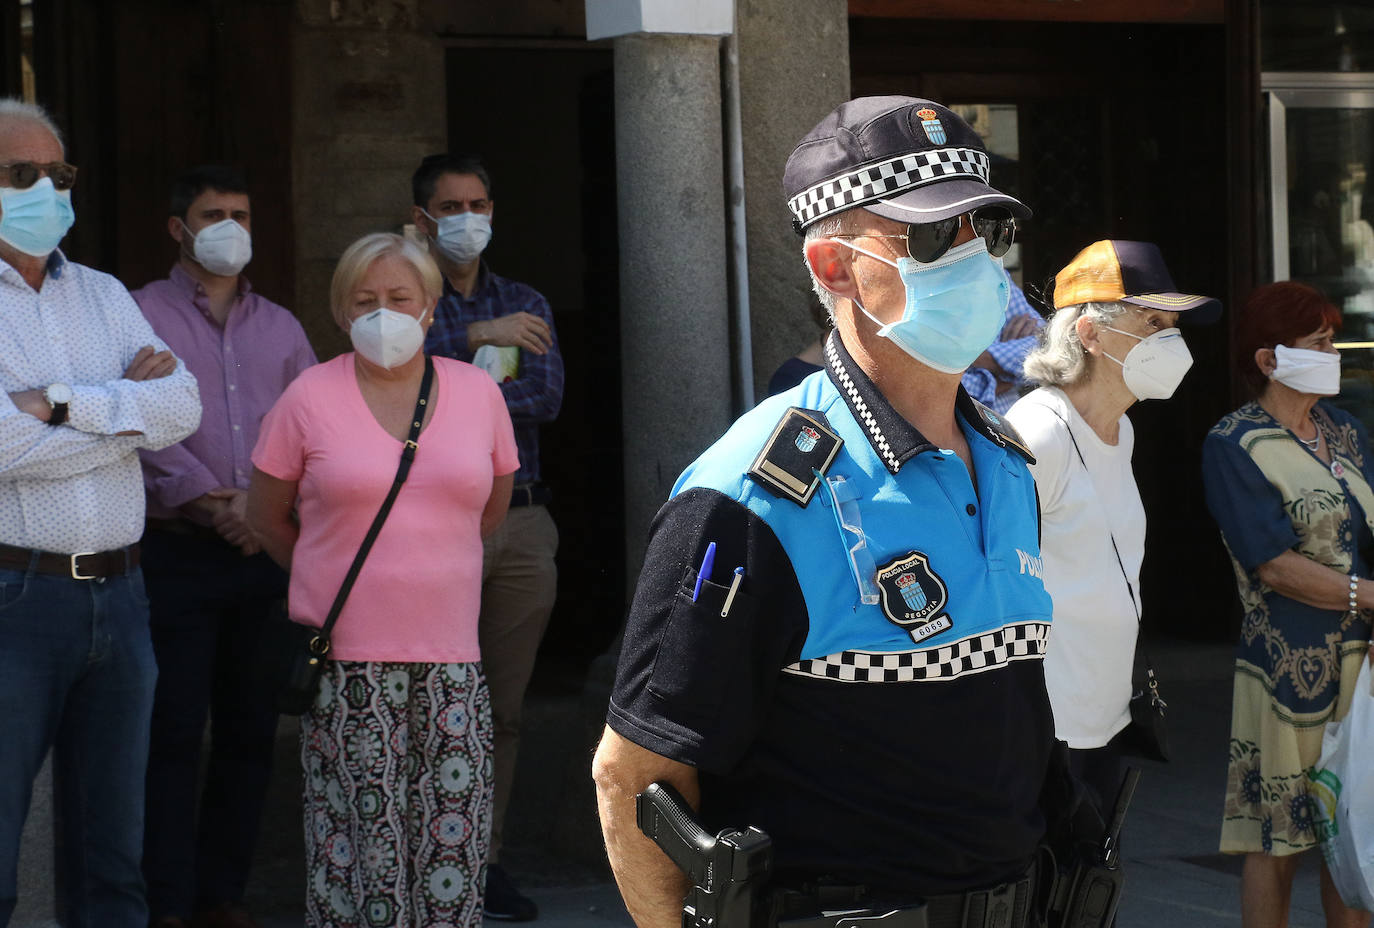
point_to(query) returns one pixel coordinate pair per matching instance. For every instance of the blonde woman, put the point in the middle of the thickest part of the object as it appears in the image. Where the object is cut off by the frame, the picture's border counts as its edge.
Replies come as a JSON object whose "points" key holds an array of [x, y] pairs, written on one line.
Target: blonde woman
{"points": [[397, 748]]}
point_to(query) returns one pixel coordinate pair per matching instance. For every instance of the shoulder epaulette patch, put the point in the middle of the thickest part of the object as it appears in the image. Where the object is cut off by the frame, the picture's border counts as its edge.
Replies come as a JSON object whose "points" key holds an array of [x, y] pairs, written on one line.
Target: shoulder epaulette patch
{"points": [[801, 446], [1004, 432]]}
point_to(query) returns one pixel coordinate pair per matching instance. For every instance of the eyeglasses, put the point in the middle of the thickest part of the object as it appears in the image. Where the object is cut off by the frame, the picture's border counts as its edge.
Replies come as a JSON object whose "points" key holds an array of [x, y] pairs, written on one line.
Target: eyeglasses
{"points": [[927, 241], [24, 174]]}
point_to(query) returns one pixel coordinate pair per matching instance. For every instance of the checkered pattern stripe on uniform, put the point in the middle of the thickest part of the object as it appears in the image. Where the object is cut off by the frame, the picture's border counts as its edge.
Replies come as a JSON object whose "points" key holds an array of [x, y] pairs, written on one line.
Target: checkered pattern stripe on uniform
{"points": [[989, 651], [887, 178], [880, 442]]}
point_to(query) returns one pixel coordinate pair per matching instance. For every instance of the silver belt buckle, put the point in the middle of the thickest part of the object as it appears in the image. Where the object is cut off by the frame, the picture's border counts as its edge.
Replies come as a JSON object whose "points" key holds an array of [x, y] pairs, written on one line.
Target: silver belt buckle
{"points": [[76, 574]]}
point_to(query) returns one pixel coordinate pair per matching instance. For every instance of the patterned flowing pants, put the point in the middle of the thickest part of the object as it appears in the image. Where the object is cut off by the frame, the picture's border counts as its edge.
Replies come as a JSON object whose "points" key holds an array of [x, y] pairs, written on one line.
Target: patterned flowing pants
{"points": [[398, 796]]}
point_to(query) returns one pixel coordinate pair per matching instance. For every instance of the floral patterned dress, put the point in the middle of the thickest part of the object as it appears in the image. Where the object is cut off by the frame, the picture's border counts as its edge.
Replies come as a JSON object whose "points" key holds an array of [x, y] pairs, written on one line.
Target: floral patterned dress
{"points": [[398, 791], [1295, 664]]}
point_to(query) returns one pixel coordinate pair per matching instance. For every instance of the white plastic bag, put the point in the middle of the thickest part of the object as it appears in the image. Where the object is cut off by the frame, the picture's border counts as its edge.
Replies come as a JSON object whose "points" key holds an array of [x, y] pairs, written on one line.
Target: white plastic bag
{"points": [[1342, 790]]}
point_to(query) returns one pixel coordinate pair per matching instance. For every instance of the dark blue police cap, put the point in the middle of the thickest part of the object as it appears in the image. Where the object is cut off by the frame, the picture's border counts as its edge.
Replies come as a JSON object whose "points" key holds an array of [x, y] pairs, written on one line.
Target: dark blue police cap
{"points": [[903, 158]]}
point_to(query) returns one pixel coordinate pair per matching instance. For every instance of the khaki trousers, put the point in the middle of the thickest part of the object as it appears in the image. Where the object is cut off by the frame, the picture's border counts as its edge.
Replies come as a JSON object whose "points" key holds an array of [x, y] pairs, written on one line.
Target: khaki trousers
{"points": [[519, 585]]}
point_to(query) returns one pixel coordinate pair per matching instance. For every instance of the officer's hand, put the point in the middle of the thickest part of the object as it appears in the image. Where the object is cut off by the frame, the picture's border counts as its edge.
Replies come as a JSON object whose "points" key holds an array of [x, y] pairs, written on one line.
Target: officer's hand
{"points": [[1018, 327], [149, 364], [518, 330]]}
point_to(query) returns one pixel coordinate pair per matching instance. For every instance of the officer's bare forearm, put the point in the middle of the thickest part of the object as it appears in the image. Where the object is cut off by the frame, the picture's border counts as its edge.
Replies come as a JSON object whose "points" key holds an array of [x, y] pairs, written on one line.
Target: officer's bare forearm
{"points": [[651, 885]]}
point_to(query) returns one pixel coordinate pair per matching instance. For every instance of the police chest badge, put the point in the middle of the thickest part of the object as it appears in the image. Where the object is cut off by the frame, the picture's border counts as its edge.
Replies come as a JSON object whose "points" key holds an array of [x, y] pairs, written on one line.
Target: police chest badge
{"points": [[930, 122], [914, 596], [801, 446]]}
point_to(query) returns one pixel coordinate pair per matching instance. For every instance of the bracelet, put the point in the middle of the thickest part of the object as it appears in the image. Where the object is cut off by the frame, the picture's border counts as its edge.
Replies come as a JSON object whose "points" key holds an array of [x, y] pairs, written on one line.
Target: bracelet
{"points": [[1354, 589]]}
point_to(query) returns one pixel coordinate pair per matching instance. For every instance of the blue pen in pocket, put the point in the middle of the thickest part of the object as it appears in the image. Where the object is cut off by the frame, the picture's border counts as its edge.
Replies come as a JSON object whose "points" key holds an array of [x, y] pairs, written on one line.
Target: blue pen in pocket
{"points": [[706, 562]]}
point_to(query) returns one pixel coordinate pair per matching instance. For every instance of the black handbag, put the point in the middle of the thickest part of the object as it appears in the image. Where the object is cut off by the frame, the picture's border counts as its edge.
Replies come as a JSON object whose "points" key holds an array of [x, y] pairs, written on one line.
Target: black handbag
{"points": [[294, 652], [1146, 736]]}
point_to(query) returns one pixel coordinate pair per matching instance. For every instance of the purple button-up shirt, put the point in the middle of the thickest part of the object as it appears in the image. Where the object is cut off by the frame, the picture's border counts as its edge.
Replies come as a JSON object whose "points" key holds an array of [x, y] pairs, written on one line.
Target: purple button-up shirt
{"points": [[242, 369]]}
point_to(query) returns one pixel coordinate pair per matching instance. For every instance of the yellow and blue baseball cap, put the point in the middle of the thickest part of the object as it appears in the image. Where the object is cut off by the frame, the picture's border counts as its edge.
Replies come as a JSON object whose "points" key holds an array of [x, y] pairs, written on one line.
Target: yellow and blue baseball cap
{"points": [[1112, 271]]}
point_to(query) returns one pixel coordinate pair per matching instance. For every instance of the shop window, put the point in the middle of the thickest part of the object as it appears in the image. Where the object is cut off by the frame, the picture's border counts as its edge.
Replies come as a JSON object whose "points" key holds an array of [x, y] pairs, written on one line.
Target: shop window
{"points": [[1319, 35]]}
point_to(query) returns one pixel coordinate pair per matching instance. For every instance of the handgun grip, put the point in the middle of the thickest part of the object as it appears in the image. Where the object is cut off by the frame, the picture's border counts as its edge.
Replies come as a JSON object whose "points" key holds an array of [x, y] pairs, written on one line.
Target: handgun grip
{"points": [[667, 819]]}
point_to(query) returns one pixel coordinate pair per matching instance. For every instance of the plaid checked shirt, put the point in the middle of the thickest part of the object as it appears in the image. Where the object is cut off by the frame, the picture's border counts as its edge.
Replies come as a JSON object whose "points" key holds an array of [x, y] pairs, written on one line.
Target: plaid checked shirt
{"points": [[982, 383], [536, 394]]}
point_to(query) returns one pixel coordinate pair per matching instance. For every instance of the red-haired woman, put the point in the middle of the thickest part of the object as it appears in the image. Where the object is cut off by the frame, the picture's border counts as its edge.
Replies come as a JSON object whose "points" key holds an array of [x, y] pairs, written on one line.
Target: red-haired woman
{"points": [[1288, 479]]}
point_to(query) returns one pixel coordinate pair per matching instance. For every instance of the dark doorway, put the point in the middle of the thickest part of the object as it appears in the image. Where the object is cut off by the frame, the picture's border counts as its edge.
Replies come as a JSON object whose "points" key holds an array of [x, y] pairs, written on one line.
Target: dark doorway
{"points": [[144, 89], [551, 153], [1121, 134]]}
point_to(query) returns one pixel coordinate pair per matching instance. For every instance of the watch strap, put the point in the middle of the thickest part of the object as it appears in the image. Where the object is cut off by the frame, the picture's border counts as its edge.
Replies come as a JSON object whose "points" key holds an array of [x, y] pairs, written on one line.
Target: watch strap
{"points": [[59, 410]]}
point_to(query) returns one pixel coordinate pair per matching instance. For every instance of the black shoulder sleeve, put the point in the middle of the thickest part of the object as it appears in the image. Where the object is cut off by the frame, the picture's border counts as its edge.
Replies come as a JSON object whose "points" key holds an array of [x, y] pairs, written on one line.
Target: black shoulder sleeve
{"points": [[692, 684]]}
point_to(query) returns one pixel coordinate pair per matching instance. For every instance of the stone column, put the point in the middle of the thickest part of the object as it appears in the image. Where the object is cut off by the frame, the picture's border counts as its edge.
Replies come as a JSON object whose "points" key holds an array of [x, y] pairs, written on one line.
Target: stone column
{"points": [[368, 103], [794, 68], [675, 340]]}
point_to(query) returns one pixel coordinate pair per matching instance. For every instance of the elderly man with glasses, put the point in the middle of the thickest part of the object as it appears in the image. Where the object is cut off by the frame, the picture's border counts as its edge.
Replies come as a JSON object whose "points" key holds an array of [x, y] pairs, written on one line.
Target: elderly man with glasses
{"points": [[84, 384], [838, 635]]}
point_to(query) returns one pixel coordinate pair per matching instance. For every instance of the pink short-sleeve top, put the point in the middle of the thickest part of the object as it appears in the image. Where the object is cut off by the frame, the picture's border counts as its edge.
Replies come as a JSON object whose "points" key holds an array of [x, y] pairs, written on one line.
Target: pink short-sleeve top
{"points": [[417, 597]]}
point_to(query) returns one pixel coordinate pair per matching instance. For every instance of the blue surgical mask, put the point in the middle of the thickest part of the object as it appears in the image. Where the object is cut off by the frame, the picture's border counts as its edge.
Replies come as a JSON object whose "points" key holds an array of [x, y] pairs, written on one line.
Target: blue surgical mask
{"points": [[33, 220], [955, 306], [462, 236]]}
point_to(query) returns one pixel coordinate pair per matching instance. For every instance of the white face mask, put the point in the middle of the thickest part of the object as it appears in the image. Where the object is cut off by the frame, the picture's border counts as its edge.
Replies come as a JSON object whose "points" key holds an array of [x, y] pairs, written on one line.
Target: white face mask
{"points": [[1154, 368], [222, 248], [386, 337], [462, 236], [1307, 371]]}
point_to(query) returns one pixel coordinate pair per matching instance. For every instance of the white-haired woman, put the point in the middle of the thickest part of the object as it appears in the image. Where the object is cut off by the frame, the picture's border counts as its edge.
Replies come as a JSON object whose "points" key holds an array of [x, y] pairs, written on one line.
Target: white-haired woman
{"points": [[397, 748], [1111, 342]]}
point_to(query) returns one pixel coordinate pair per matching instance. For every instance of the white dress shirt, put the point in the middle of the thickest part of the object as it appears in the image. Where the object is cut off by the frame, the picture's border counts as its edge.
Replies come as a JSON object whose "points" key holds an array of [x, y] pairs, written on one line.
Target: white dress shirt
{"points": [[78, 486]]}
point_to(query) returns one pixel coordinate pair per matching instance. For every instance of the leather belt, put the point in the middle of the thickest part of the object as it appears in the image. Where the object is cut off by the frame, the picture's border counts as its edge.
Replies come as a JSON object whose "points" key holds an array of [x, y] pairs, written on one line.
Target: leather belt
{"points": [[84, 565], [529, 494]]}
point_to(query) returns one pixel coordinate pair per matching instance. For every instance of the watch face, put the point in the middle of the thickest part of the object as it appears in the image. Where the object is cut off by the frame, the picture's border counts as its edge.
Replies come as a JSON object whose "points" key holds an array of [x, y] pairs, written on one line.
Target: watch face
{"points": [[58, 394]]}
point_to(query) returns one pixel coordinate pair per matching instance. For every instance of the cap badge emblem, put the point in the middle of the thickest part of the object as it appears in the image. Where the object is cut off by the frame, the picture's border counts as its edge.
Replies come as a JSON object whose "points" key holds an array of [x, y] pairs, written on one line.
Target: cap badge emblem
{"points": [[934, 129], [806, 438]]}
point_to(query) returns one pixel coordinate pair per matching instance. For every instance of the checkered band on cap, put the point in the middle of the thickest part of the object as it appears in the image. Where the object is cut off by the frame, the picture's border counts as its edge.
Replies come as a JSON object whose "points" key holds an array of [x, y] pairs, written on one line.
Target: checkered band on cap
{"points": [[989, 651], [887, 178]]}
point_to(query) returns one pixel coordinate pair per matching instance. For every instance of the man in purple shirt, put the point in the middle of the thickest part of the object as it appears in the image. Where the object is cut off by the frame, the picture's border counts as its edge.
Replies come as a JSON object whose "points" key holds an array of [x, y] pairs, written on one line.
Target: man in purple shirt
{"points": [[507, 328], [209, 586]]}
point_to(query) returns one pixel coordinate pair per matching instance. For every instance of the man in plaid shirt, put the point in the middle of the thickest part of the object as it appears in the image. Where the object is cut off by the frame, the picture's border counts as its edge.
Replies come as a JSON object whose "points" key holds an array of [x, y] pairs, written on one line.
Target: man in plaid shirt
{"points": [[994, 378], [507, 328]]}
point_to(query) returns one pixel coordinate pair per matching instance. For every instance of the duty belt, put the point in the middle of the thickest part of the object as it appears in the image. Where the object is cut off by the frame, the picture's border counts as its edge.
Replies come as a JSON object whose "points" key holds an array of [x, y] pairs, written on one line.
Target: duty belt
{"points": [[1008, 905]]}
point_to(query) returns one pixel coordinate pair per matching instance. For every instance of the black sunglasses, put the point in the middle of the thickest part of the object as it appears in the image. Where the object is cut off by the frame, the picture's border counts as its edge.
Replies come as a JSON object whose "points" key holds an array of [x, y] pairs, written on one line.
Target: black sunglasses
{"points": [[24, 174], [927, 241]]}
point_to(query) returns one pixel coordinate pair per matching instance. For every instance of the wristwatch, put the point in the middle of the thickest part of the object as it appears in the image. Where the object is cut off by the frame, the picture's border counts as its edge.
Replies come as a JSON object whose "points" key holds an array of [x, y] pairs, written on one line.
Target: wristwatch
{"points": [[58, 395]]}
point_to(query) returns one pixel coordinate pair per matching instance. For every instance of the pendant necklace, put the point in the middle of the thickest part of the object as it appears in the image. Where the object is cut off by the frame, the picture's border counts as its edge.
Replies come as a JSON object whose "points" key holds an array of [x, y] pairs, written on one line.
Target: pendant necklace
{"points": [[1337, 468]]}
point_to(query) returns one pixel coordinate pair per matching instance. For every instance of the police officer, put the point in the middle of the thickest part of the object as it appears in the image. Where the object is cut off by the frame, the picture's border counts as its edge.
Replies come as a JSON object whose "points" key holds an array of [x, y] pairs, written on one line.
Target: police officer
{"points": [[856, 668]]}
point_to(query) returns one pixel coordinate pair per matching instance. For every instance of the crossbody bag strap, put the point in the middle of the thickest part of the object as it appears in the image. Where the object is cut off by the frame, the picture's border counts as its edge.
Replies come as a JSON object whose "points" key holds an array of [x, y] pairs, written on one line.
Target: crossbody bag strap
{"points": [[1140, 648], [402, 471], [1119, 563]]}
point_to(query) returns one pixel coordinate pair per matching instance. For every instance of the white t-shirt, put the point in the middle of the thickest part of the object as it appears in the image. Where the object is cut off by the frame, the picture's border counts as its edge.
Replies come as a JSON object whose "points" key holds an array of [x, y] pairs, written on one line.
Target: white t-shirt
{"points": [[1092, 641]]}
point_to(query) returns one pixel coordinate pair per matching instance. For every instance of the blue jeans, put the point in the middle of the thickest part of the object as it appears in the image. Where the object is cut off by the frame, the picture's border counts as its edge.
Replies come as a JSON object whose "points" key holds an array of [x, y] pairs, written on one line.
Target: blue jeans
{"points": [[77, 675]]}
